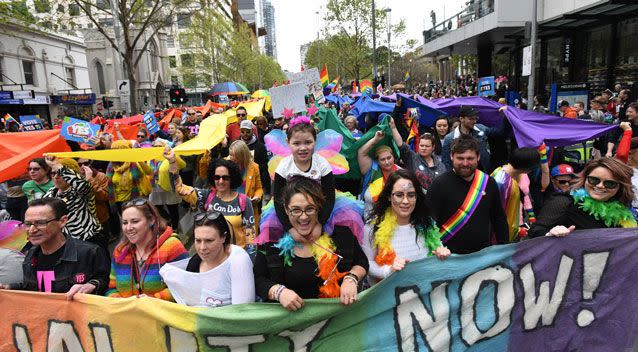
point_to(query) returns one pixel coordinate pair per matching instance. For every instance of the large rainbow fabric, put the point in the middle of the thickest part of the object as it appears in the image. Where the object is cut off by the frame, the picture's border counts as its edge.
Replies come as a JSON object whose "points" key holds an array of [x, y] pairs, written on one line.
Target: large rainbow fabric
{"points": [[462, 215], [510, 199], [13, 235], [486, 301], [347, 211], [323, 76]]}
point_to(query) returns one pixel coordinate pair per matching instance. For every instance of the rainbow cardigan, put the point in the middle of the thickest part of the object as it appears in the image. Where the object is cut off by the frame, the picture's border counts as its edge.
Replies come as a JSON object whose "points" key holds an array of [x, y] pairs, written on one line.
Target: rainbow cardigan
{"points": [[121, 282]]}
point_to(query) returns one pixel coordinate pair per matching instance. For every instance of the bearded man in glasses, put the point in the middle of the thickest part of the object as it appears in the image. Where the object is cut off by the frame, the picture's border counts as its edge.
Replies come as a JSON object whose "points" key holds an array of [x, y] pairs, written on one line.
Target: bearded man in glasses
{"points": [[57, 263], [233, 131]]}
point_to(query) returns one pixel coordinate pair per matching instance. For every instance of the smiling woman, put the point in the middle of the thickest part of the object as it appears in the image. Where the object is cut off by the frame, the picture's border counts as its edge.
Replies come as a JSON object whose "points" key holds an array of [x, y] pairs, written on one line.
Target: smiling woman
{"points": [[303, 264], [601, 199]]}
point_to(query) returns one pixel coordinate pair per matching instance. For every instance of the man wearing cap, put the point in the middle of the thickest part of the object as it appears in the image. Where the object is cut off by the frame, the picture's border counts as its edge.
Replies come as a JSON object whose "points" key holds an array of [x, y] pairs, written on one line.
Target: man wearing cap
{"points": [[233, 130], [468, 126], [258, 150]]}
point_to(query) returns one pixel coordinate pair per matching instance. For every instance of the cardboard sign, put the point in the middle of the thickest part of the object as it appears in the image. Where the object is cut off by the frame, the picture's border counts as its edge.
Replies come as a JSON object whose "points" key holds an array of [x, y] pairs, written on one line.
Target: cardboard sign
{"points": [[150, 122], [31, 122], [78, 130], [312, 82], [291, 96]]}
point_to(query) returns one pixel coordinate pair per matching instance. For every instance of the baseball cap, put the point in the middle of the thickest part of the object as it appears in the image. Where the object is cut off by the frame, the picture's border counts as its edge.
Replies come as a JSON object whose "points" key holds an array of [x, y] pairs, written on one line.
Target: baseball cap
{"points": [[562, 169], [246, 125], [466, 110]]}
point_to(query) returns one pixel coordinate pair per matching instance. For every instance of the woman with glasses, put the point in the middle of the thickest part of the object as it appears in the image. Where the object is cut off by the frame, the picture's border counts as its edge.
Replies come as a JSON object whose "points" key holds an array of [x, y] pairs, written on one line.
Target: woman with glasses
{"points": [[41, 182], [304, 265], [146, 245], [601, 198], [219, 274], [222, 197], [400, 229], [263, 127]]}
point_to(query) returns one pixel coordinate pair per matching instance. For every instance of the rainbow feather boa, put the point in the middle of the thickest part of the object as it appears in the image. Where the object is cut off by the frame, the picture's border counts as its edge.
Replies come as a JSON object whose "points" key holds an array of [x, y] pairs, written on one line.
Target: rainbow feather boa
{"points": [[385, 232], [612, 213], [326, 262]]}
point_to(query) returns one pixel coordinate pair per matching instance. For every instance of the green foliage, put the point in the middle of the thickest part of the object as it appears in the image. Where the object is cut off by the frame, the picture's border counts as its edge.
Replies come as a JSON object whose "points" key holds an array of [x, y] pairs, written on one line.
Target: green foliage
{"points": [[17, 11]]}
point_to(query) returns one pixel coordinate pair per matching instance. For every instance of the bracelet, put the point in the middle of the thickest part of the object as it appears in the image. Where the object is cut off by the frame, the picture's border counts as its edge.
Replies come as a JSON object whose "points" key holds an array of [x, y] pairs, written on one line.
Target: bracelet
{"points": [[352, 277], [278, 292]]}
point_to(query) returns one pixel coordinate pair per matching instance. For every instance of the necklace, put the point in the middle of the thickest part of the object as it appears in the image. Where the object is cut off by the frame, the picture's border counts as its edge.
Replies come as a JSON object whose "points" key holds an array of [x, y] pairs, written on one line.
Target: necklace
{"points": [[612, 212]]}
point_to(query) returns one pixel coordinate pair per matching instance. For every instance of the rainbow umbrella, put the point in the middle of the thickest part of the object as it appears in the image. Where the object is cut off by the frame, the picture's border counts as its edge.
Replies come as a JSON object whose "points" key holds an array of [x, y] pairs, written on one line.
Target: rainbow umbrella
{"points": [[228, 88], [262, 93]]}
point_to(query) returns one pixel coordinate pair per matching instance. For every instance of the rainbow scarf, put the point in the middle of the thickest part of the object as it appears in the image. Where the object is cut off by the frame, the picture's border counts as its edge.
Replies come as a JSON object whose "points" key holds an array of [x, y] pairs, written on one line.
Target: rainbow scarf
{"points": [[385, 232], [465, 211], [326, 262]]}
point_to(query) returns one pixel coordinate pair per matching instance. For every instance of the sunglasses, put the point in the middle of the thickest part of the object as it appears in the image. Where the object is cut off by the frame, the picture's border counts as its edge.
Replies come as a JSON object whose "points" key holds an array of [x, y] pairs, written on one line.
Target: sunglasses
{"points": [[191, 114], [609, 184], [221, 177], [209, 215], [563, 182], [241, 115], [141, 136], [136, 202]]}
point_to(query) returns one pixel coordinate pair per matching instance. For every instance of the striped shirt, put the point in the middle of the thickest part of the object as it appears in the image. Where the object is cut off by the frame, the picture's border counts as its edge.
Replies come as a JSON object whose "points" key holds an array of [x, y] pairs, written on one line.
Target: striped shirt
{"points": [[80, 201]]}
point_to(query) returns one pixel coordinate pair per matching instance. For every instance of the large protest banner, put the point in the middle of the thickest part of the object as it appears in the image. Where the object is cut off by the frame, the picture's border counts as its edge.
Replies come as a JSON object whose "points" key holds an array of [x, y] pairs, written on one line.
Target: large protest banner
{"points": [[289, 96], [550, 294], [311, 79]]}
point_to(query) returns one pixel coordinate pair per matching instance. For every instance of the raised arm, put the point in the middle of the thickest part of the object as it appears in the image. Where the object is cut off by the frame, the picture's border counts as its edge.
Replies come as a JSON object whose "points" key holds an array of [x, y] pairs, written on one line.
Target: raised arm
{"points": [[365, 162]]}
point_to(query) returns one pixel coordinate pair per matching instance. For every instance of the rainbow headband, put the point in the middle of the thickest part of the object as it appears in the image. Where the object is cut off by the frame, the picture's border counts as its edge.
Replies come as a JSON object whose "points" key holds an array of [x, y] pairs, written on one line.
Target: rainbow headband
{"points": [[465, 211]]}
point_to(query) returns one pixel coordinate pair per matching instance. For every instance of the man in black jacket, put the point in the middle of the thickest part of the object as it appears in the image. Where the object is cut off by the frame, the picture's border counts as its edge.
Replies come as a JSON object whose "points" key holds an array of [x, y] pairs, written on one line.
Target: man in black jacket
{"points": [[259, 152], [57, 263]]}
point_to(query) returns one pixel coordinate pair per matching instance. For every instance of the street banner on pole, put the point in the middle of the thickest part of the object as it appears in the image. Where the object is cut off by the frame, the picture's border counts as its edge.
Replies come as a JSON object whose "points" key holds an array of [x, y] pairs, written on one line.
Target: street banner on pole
{"points": [[577, 293]]}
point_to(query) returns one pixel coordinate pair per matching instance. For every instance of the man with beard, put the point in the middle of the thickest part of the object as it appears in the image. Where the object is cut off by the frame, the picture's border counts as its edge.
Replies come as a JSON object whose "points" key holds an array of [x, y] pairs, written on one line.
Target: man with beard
{"points": [[233, 130], [465, 202], [259, 152]]}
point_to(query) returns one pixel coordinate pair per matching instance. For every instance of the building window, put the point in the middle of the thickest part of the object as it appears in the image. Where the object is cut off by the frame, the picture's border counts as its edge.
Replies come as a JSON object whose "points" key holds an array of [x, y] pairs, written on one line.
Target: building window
{"points": [[172, 61], [102, 4], [100, 78], [70, 76], [74, 10], [170, 41], [153, 56], [106, 21], [29, 72], [41, 6]]}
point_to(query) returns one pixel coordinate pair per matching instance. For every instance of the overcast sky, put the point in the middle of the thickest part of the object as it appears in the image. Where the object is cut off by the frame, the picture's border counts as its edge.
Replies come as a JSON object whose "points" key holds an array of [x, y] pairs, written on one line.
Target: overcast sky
{"points": [[297, 22]]}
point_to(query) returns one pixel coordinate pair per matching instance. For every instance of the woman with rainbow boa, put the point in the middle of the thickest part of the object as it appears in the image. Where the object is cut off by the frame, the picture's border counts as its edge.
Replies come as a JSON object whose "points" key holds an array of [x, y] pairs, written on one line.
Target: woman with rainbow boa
{"points": [[302, 264], [601, 199], [400, 229]]}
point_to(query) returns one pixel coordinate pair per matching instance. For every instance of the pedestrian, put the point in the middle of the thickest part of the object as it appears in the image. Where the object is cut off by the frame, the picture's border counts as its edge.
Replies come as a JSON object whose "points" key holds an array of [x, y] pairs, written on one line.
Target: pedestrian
{"points": [[41, 182]]}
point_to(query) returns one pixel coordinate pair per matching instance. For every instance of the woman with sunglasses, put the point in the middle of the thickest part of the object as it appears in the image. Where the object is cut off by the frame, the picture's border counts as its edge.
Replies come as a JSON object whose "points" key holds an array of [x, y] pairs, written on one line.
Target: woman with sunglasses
{"points": [[146, 245], [601, 199], [222, 197], [219, 274], [304, 265], [400, 229], [41, 181]]}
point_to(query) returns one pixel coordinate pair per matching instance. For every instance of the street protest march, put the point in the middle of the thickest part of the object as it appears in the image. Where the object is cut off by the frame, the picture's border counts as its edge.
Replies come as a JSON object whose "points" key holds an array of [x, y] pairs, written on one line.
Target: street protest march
{"points": [[561, 294]]}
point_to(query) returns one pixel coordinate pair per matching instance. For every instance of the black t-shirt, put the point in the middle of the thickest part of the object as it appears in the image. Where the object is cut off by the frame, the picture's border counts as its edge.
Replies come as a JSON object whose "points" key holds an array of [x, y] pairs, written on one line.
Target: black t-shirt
{"points": [[301, 277], [45, 265]]}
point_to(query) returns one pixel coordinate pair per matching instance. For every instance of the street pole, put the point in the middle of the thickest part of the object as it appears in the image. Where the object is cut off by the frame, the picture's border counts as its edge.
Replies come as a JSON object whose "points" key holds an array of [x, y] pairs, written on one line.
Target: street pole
{"points": [[374, 45], [388, 12], [532, 77], [318, 44]]}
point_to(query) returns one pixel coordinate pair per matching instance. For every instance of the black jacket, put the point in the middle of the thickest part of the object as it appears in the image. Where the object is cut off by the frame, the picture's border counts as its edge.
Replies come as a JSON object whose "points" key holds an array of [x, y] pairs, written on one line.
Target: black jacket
{"points": [[80, 262], [561, 210]]}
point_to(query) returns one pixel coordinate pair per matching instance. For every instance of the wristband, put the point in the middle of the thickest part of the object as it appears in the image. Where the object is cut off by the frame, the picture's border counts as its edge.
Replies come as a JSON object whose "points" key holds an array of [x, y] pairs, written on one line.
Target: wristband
{"points": [[278, 292]]}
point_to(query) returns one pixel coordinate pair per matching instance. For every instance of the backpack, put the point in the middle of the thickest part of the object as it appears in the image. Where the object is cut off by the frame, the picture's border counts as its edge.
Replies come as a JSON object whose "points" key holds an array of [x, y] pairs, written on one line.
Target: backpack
{"points": [[213, 192]]}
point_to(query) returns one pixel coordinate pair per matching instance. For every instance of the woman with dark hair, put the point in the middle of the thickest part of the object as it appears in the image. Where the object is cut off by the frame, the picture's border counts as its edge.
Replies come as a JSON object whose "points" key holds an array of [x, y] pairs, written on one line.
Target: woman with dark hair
{"points": [[222, 197], [440, 130], [304, 265], [219, 274], [400, 229], [601, 199], [146, 245], [41, 181]]}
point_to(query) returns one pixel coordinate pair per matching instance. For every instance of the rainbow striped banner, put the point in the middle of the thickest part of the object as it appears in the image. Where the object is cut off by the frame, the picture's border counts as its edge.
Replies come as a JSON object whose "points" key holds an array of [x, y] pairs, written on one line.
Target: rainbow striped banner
{"points": [[472, 200], [577, 293]]}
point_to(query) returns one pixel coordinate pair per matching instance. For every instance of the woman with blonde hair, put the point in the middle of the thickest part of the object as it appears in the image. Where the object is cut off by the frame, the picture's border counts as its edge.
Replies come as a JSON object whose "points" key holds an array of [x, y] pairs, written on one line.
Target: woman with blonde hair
{"points": [[127, 180], [251, 181]]}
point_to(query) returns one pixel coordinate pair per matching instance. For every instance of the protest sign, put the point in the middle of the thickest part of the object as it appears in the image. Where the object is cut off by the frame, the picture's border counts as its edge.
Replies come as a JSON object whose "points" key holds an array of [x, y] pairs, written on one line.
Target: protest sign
{"points": [[150, 122], [311, 80], [550, 294], [78, 130], [486, 86], [291, 96], [31, 122]]}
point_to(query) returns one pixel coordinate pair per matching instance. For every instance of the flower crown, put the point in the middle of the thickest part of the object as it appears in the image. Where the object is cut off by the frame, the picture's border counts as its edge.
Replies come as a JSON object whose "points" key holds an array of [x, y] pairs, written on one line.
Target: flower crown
{"points": [[299, 120]]}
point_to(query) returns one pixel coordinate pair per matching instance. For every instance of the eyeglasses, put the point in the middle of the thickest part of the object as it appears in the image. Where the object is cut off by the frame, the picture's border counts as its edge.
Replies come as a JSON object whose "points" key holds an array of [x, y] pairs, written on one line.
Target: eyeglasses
{"points": [[296, 212], [141, 136], [209, 215], [136, 202], [40, 224], [34, 168], [609, 184], [399, 196], [191, 114], [241, 115], [563, 182], [221, 177]]}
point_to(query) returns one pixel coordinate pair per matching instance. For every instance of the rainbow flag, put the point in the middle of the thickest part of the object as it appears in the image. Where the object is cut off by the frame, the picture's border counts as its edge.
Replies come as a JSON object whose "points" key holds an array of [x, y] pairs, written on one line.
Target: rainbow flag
{"points": [[576, 293], [407, 76], [366, 86], [335, 84], [323, 76], [8, 118]]}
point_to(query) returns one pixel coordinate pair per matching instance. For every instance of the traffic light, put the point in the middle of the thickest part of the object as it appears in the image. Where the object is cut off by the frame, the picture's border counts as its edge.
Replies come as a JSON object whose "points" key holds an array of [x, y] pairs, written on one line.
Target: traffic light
{"points": [[178, 95], [107, 104]]}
